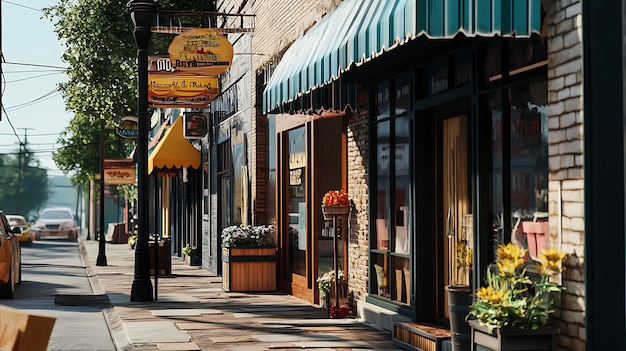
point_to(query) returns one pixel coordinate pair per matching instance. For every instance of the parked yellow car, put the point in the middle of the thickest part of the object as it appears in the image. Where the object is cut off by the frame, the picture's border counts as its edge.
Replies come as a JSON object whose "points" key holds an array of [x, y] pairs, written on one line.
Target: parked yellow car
{"points": [[27, 237], [10, 258]]}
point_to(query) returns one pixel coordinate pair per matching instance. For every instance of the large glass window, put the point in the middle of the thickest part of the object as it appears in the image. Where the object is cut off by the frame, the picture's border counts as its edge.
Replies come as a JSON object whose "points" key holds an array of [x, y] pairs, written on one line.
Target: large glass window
{"points": [[520, 189], [391, 231], [529, 167]]}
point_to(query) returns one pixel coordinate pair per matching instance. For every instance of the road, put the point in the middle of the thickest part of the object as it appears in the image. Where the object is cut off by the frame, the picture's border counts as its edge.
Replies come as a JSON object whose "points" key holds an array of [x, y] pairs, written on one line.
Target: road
{"points": [[55, 283]]}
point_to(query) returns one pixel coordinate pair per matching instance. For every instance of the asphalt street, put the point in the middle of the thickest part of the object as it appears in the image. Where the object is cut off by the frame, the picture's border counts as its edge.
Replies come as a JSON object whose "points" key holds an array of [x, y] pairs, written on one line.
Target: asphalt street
{"points": [[55, 283]]}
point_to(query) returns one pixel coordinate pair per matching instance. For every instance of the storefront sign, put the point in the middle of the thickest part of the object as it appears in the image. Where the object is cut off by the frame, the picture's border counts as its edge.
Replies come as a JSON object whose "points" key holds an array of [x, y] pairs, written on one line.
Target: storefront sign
{"points": [[119, 171], [295, 176], [127, 128], [195, 125], [297, 160], [181, 90], [202, 51]]}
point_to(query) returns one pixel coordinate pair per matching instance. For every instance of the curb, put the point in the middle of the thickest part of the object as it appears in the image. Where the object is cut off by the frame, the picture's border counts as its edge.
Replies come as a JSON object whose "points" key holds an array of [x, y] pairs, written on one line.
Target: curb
{"points": [[113, 320]]}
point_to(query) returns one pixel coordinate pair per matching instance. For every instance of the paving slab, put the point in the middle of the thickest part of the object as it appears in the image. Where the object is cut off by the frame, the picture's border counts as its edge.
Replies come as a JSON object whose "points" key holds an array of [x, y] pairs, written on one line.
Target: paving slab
{"points": [[193, 312], [184, 312]]}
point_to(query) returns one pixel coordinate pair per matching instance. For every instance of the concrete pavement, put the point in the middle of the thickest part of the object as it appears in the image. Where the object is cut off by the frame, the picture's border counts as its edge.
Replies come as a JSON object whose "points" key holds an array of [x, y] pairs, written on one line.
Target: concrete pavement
{"points": [[193, 312]]}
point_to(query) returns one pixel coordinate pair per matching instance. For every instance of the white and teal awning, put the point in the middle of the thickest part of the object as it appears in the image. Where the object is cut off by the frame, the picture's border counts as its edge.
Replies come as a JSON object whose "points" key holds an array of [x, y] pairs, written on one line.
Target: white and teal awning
{"points": [[360, 30]]}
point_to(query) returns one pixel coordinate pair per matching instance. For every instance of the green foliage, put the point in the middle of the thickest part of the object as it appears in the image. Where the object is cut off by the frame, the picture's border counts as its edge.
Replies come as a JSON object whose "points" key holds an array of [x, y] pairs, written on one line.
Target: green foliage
{"points": [[323, 282], [22, 192], [511, 299], [101, 55], [189, 250], [248, 236]]}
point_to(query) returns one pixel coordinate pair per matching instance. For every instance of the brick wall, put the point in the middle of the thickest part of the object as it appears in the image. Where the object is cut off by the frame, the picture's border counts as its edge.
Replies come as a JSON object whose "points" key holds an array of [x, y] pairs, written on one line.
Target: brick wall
{"points": [[358, 189], [565, 153], [277, 25]]}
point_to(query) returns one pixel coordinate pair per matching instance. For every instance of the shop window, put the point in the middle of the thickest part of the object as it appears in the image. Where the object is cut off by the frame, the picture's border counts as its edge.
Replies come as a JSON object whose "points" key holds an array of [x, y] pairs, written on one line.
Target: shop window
{"points": [[381, 101], [520, 191], [390, 239], [529, 167]]}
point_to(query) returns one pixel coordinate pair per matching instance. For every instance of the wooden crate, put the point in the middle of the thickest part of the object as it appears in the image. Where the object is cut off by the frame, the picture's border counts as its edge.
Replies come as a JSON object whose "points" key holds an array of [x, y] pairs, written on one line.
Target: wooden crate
{"points": [[249, 269]]}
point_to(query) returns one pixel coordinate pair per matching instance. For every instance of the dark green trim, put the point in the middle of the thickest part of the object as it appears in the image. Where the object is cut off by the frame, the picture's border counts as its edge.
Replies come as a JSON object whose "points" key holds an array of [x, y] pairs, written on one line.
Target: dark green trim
{"points": [[448, 96], [605, 245]]}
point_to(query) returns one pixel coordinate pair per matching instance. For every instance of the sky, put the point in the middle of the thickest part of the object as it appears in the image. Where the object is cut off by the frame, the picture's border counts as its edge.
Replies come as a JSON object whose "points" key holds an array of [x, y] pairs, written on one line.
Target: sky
{"points": [[32, 70]]}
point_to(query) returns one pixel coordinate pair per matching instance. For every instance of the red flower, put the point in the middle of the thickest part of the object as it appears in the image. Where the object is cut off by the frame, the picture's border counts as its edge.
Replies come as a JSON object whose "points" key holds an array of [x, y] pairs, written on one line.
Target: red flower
{"points": [[336, 198]]}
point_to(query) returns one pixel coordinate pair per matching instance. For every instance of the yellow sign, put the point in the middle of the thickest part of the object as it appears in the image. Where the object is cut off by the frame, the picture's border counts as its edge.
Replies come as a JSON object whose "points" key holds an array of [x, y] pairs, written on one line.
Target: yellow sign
{"points": [[202, 51], [119, 171], [181, 90]]}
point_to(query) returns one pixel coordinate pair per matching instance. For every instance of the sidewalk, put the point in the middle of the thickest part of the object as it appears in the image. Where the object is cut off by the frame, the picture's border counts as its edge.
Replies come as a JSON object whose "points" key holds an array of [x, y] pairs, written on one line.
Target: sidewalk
{"points": [[194, 313]]}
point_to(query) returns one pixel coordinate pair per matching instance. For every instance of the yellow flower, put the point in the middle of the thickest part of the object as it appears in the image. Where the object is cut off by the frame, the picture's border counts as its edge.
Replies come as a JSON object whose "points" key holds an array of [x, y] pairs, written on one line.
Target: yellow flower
{"points": [[551, 261], [492, 296], [510, 257], [508, 267], [511, 252]]}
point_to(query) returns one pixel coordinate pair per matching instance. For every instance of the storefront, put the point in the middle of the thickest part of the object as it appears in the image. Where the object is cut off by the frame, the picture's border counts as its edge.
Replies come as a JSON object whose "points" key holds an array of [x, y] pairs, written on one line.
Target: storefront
{"points": [[448, 142], [458, 163], [174, 165], [311, 161]]}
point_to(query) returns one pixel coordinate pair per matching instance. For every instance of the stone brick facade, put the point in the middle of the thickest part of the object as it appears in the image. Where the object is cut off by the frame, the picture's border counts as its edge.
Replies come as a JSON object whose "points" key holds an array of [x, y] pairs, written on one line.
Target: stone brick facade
{"points": [[358, 247], [565, 153], [277, 25], [280, 23]]}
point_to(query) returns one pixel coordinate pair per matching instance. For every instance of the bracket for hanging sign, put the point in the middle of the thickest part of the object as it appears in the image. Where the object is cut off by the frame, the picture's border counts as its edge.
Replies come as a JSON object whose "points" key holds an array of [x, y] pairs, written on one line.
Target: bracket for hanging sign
{"points": [[177, 22]]}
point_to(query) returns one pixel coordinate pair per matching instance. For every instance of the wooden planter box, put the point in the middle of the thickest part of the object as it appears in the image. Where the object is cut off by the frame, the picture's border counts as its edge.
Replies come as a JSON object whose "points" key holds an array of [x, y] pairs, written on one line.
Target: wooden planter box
{"points": [[542, 339], [249, 269]]}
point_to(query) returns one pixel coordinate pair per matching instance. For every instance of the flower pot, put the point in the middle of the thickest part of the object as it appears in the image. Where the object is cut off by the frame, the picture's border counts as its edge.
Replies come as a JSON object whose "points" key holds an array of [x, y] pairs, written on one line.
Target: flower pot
{"points": [[339, 211], [249, 269], [542, 339], [324, 301], [193, 260], [459, 301]]}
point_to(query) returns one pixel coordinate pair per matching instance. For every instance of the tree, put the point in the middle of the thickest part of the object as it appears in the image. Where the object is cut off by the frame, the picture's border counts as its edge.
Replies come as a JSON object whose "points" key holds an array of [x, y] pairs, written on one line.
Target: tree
{"points": [[23, 184], [102, 81]]}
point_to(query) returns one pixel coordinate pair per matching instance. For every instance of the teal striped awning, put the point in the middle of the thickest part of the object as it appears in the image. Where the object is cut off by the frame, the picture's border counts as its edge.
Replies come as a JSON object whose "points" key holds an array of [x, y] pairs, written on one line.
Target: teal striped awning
{"points": [[360, 30]]}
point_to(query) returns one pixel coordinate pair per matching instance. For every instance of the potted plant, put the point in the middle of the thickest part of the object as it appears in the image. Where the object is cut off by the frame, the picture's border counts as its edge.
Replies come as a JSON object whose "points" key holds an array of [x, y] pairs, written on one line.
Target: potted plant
{"points": [[513, 307], [460, 297], [324, 284], [191, 257], [249, 258], [335, 202]]}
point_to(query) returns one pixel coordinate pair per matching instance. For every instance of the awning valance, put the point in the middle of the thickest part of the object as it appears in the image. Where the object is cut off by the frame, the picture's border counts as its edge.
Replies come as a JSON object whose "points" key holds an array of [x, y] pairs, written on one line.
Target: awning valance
{"points": [[174, 151], [359, 30]]}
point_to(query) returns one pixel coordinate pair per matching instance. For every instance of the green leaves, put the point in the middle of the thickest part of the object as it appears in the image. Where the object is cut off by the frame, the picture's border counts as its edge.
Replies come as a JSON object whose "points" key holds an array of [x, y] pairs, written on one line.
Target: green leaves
{"points": [[23, 185], [101, 76]]}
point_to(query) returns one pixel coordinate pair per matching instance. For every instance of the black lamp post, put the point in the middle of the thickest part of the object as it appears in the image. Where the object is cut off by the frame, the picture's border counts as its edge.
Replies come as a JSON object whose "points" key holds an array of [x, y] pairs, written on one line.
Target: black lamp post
{"points": [[142, 13], [102, 258]]}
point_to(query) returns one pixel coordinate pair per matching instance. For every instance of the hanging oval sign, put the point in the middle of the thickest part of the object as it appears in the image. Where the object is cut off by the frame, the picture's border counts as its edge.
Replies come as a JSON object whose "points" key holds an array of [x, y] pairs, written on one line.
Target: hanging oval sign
{"points": [[128, 127], [201, 50]]}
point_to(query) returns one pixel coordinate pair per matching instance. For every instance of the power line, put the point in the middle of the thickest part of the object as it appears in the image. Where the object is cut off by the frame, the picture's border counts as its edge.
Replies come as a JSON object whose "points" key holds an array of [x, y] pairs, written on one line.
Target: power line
{"points": [[44, 97], [33, 77], [34, 65], [11, 124], [30, 135], [24, 6]]}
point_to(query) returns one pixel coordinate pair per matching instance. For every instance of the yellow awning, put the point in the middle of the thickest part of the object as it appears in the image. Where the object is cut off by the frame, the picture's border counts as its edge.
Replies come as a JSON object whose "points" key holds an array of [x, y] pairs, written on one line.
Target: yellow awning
{"points": [[174, 151]]}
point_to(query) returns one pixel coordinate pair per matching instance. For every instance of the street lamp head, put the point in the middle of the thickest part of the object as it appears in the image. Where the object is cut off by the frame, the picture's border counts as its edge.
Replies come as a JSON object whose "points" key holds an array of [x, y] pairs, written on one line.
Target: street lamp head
{"points": [[141, 12]]}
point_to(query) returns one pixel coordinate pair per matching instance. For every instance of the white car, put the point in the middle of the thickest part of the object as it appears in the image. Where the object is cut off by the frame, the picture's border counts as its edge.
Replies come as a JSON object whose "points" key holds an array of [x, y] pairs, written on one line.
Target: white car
{"points": [[56, 221]]}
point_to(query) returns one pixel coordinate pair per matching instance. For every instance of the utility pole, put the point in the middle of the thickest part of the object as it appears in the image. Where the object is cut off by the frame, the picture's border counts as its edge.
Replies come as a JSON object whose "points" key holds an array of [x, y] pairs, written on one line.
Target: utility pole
{"points": [[19, 171]]}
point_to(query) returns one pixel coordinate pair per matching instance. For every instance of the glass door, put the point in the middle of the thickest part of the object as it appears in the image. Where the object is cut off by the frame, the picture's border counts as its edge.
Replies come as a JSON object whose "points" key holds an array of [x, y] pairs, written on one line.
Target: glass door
{"points": [[456, 207], [296, 202]]}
